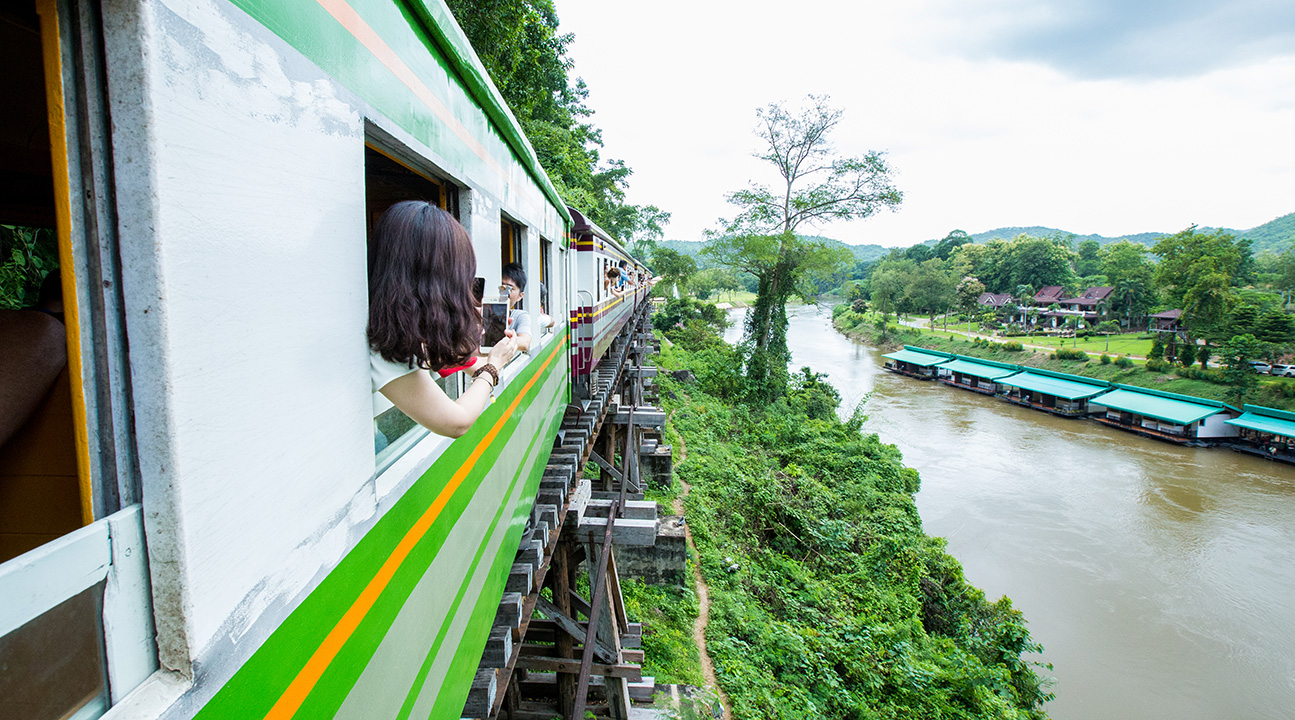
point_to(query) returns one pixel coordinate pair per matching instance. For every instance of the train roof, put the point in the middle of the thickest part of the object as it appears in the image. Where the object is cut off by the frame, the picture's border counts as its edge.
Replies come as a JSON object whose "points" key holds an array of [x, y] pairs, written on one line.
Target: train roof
{"points": [[580, 225], [446, 33]]}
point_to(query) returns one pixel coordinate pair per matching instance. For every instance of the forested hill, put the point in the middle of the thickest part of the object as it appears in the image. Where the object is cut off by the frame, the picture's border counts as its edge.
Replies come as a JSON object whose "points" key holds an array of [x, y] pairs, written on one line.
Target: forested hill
{"points": [[1276, 235], [693, 248]]}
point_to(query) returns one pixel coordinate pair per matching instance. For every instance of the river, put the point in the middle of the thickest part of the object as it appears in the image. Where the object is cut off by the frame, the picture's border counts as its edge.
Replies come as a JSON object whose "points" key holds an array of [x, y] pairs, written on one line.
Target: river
{"points": [[1160, 580]]}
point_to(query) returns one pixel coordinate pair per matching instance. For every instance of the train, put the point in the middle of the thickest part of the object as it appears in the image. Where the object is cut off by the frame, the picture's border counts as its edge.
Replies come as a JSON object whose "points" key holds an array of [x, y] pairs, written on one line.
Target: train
{"points": [[212, 515]]}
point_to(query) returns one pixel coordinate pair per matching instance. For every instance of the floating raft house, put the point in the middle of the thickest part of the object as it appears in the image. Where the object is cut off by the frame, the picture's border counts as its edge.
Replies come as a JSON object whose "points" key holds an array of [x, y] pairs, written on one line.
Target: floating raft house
{"points": [[975, 374], [1058, 393], [1271, 431], [916, 362], [1165, 415]]}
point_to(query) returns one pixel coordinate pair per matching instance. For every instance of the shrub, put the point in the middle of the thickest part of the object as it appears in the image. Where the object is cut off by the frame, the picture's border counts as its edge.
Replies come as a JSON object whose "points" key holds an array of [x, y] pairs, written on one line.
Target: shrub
{"points": [[1013, 346], [1156, 365], [859, 305], [1123, 362], [1070, 354], [1105, 359]]}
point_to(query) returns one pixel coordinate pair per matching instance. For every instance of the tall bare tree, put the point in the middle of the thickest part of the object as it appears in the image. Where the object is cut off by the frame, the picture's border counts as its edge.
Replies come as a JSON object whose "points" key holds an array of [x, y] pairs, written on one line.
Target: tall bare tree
{"points": [[816, 186]]}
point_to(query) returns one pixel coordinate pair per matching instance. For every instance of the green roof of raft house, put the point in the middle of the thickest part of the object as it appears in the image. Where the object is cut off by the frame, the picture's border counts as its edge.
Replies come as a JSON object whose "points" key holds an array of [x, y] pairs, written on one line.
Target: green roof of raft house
{"points": [[1266, 421], [1165, 415], [1058, 393], [975, 374], [916, 362]]}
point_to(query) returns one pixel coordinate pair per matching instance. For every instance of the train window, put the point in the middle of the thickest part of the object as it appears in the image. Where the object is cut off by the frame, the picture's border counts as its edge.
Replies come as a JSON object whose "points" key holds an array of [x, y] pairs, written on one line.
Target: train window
{"points": [[67, 453], [510, 242], [41, 494], [546, 281], [389, 179]]}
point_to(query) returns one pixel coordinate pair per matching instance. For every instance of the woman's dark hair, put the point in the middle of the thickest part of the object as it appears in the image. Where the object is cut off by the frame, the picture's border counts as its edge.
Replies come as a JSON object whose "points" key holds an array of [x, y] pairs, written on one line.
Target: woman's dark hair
{"points": [[421, 266], [613, 273]]}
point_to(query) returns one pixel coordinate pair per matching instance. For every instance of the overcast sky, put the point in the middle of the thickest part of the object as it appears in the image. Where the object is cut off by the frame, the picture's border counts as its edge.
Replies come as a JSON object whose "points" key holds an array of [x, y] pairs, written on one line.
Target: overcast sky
{"points": [[1094, 116]]}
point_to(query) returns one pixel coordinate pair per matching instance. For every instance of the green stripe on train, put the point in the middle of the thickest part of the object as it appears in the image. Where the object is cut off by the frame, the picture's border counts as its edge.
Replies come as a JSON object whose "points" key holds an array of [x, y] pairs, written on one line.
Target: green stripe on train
{"points": [[437, 55], [258, 684]]}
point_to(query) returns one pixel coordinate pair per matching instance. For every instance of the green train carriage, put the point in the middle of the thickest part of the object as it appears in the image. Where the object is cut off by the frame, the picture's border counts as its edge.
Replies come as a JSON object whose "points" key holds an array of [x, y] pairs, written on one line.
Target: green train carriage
{"points": [[225, 522]]}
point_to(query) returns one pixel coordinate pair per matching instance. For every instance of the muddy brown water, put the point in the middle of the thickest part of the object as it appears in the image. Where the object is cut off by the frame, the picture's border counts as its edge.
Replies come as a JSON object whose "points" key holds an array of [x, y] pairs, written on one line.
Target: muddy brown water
{"points": [[1160, 579]]}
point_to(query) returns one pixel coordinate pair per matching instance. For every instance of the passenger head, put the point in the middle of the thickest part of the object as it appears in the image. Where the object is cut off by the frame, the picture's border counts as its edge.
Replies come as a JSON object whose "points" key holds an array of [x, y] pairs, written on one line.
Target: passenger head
{"points": [[421, 267], [515, 279]]}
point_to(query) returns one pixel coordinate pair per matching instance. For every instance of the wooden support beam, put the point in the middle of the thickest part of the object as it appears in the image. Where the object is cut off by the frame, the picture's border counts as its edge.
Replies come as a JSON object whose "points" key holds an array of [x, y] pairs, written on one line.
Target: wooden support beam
{"points": [[644, 416], [606, 466], [579, 604], [633, 509], [574, 629], [625, 531], [571, 666]]}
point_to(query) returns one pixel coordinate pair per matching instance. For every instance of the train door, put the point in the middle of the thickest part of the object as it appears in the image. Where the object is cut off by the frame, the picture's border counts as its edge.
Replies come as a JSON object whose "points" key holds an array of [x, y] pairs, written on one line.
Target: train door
{"points": [[76, 621]]}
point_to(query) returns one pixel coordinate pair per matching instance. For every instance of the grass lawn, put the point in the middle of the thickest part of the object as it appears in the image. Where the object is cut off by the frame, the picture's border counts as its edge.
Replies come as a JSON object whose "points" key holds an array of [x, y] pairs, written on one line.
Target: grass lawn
{"points": [[1126, 344]]}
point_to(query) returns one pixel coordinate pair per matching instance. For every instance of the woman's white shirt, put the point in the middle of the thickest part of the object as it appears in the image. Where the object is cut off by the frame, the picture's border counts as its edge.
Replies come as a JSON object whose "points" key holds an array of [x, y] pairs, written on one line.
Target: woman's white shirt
{"points": [[381, 372]]}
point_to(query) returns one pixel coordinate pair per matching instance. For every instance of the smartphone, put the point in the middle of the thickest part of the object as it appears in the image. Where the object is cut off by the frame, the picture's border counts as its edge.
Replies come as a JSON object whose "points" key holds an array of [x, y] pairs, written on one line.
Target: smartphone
{"points": [[494, 319], [478, 289]]}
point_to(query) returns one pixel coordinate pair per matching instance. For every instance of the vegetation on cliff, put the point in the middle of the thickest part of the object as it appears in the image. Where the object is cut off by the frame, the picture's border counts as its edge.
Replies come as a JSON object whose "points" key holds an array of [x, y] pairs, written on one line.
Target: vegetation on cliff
{"points": [[827, 599]]}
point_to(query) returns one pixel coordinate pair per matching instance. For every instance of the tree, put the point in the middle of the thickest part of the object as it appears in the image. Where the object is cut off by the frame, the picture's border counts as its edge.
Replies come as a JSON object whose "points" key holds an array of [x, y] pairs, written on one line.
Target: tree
{"points": [[931, 288], [1131, 297], [886, 287], [816, 186], [1275, 326], [1039, 262], [1088, 260], [674, 267], [1236, 354], [968, 292], [951, 242], [1197, 272]]}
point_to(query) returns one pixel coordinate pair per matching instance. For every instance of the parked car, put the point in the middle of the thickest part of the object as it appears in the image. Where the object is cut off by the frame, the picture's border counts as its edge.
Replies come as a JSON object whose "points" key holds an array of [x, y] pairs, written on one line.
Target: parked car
{"points": [[1283, 370], [1261, 367]]}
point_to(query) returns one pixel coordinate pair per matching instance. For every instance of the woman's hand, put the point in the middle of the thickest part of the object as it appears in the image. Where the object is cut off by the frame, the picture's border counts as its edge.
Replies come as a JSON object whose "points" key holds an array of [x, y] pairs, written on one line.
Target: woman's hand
{"points": [[503, 351]]}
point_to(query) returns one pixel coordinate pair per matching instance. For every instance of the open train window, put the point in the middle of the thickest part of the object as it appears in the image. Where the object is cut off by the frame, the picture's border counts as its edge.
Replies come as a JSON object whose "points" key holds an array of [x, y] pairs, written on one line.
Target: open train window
{"points": [[68, 477], [40, 489], [387, 181], [510, 242], [546, 280]]}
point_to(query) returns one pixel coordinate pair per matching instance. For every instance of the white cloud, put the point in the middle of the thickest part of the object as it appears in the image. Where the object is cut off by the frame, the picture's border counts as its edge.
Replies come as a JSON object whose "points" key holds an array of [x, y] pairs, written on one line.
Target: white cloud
{"points": [[978, 142]]}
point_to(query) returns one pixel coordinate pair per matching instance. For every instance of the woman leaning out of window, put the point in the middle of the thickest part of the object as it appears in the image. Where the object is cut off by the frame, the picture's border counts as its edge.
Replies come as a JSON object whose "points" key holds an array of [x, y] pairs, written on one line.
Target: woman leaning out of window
{"points": [[422, 317]]}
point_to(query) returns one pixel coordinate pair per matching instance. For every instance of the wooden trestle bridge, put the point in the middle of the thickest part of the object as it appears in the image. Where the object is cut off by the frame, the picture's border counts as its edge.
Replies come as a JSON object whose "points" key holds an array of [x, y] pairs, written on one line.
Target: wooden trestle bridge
{"points": [[561, 653]]}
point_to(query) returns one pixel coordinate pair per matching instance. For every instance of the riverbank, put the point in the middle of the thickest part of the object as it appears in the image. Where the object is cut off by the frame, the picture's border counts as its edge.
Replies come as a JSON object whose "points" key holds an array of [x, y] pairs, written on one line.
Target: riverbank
{"points": [[827, 598], [1271, 392]]}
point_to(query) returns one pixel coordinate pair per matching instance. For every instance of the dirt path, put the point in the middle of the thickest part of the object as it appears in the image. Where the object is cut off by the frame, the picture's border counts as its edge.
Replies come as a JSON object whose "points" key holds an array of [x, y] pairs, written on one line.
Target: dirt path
{"points": [[703, 596]]}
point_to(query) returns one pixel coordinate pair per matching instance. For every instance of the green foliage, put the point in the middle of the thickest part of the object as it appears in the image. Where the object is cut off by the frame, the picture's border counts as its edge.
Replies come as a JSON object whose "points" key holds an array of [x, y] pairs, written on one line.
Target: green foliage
{"points": [[1123, 362], [828, 601], [1236, 354], [678, 311], [1013, 346], [674, 267], [1187, 355], [817, 185], [27, 255], [1156, 365], [519, 44], [668, 614], [1070, 354], [1157, 349], [1105, 359]]}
